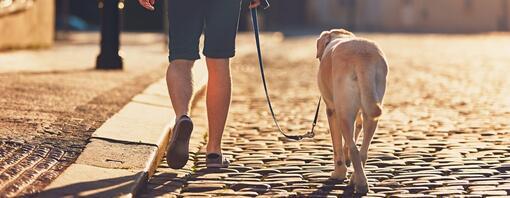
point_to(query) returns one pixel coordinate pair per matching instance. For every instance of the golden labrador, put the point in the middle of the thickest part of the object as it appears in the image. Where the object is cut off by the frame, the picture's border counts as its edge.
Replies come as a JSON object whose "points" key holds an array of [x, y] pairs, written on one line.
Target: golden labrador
{"points": [[352, 81]]}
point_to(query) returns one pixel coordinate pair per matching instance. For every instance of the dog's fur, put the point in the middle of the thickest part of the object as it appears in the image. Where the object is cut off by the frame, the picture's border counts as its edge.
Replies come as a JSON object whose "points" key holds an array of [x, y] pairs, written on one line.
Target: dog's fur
{"points": [[352, 81]]}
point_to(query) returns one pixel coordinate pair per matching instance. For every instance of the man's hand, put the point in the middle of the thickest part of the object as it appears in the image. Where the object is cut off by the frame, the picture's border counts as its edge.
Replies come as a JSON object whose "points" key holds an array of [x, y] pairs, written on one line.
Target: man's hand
{"points": [[149, 4], [254, 4]]}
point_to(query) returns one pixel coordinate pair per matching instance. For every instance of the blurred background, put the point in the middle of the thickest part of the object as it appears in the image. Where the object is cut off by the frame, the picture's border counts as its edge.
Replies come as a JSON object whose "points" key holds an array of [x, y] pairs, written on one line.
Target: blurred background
{"points": [[46, 17]]}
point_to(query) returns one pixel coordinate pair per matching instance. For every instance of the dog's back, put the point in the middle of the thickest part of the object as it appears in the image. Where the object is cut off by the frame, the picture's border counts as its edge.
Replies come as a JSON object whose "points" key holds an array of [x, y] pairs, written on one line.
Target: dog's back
{"points": [[368, 66]]}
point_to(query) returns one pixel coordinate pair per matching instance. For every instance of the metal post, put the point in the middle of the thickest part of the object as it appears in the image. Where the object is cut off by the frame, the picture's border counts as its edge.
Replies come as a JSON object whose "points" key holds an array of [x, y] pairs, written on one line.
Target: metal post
{"points": [[111, 13], [64, 18]]}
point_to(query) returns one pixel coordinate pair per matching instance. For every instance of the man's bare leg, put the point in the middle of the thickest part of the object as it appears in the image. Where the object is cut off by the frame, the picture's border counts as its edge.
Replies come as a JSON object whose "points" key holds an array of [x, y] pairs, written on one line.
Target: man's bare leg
{"points": [[179, 80], [218, 99], [180, 87]]}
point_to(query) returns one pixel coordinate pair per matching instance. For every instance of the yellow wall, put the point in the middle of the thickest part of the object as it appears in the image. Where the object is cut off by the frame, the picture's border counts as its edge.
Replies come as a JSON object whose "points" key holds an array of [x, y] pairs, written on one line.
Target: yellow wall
{"points": [[34, 27]]}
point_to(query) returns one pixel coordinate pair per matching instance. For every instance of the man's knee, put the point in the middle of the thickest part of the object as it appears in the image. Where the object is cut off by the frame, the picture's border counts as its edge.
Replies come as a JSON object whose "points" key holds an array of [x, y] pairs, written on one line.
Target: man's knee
{"points": [[218, 64], [181, 64]]}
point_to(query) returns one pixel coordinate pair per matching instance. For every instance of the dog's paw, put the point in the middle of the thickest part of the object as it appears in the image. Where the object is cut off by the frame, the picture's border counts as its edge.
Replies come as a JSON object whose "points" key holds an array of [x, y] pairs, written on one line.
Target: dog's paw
{"points": [[359, 184], [338, 175], [361, 188], [352, 181]]}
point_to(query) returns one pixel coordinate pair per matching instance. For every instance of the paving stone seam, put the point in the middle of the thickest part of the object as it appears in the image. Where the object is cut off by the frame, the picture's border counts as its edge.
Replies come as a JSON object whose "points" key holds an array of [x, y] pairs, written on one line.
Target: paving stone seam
{"points": [[124, 142]]}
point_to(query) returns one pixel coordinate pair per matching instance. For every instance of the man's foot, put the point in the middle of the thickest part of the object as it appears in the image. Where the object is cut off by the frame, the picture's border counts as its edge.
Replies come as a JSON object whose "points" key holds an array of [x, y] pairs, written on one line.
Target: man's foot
{"points": [[177, 153], [216, 160]]}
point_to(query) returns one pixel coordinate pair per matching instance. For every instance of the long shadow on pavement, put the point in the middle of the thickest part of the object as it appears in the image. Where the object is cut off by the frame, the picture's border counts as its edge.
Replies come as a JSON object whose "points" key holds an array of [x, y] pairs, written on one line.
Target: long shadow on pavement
{"points": [[329, 186], [113, 187]]}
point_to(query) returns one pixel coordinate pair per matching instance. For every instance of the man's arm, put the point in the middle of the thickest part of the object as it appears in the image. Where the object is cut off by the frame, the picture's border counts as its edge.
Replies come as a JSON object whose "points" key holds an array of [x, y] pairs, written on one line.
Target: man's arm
{"points": [[256, 3]]}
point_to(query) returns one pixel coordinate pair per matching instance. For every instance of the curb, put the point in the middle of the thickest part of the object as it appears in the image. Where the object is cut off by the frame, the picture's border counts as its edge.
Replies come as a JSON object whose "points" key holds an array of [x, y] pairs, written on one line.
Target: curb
{"points": [[126, 150]]}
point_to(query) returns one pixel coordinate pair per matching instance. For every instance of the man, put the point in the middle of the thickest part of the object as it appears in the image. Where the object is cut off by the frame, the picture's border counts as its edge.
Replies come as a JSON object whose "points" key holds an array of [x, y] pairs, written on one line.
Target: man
{"points": [[187, 19]]}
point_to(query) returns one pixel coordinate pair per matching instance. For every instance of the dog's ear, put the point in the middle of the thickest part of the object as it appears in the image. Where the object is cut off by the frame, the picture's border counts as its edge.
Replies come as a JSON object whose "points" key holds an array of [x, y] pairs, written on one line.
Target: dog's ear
{"points": [[342, 32], [323, 40]]}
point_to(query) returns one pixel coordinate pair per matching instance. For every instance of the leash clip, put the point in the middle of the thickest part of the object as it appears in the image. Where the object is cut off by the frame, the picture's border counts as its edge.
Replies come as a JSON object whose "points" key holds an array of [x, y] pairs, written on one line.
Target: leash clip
{"points": [[309, 134]]}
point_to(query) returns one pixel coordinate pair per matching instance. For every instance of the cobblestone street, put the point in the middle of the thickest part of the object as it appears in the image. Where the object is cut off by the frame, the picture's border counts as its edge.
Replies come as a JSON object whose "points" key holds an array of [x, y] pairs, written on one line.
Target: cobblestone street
{"points": [[444, 131]]}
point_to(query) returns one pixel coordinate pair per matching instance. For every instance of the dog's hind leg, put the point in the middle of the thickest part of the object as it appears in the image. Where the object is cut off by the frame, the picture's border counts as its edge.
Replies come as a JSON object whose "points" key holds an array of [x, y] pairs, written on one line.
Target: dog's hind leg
{"points": [[347, 105], [369, 127], [346, 122], [357, 132], [370, 123], [340, 172]]}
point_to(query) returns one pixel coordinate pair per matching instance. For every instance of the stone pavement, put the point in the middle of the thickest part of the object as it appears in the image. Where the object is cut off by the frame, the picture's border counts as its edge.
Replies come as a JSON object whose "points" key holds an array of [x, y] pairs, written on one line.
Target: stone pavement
{"points": [[444, 131]]}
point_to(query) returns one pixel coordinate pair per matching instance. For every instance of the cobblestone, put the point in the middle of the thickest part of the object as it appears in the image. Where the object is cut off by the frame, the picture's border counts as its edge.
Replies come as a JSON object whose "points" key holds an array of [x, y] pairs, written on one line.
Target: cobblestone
{"points": [[25, 167], [444, 131]]}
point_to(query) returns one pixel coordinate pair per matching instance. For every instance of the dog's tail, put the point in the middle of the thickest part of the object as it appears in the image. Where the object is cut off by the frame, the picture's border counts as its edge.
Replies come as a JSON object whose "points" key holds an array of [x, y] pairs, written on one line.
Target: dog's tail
{"points": [[365, 70]]}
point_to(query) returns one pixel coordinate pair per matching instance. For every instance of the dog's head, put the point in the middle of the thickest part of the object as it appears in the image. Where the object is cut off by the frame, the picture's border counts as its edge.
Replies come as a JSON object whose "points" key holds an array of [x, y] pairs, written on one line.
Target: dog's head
{"points": [[327, 36]]}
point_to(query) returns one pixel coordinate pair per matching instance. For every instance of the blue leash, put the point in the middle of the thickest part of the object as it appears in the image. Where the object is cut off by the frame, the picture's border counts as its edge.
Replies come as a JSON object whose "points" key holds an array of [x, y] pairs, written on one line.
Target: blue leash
{"points": [[309, 134]]}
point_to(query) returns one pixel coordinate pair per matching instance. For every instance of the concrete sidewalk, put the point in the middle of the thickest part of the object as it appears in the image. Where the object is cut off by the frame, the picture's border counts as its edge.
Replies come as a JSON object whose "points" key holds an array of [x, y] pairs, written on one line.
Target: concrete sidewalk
{"points": [[126, 150], [80, 50]]}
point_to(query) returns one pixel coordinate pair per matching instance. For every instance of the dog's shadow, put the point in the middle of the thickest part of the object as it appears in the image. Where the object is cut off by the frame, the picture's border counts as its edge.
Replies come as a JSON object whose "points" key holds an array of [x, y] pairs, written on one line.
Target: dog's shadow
{"points": [[330, 185]]}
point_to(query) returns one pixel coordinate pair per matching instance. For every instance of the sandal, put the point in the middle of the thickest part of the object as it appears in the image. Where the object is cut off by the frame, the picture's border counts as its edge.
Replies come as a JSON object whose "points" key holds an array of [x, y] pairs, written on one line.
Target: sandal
{"points": [[216, 160], [177, 153]]}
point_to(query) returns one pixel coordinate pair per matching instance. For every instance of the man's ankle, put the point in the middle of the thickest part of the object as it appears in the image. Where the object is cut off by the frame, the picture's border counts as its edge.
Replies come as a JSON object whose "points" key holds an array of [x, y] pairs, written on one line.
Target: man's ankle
{"points": [[213, 150], [180, 116]]}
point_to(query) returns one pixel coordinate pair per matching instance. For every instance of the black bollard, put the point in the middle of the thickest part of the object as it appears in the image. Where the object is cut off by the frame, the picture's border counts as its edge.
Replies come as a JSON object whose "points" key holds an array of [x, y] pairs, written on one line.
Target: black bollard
{"points": [[111, 13]]}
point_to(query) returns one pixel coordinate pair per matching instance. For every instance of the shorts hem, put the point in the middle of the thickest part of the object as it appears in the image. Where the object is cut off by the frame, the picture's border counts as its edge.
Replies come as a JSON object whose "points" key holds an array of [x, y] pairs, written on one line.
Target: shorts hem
{"points": [[219, 54], [184, 56]]}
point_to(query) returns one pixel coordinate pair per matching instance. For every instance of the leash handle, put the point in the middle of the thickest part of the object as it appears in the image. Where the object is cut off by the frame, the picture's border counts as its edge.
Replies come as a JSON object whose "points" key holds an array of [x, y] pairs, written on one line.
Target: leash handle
{"points": [[309, 134], [265, 4]]}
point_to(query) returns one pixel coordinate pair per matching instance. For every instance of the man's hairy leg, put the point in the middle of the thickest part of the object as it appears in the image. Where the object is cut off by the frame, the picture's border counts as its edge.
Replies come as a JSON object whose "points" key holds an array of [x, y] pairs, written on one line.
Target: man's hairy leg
{"points": [[179, 80]]}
